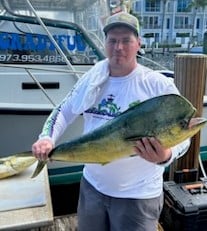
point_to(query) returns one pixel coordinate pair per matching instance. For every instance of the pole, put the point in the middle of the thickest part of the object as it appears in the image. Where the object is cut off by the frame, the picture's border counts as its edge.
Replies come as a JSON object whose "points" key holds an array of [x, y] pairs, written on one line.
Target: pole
{"points": [[51, 38], [190, 79]]}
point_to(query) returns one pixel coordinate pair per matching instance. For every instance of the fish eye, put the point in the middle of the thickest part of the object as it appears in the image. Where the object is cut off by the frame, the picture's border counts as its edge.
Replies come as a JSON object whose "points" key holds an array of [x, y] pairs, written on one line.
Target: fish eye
{"points": [[184, 123]]}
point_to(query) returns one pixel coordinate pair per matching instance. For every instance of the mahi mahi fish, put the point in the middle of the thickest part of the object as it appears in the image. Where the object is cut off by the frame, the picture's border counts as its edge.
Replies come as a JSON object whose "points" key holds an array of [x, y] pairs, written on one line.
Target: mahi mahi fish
{"points": [[169, 118], [15, 164]]}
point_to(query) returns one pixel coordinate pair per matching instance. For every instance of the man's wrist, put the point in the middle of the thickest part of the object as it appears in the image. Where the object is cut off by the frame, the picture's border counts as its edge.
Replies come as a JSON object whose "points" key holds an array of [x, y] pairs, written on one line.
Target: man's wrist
{"points": [[165, 161]]}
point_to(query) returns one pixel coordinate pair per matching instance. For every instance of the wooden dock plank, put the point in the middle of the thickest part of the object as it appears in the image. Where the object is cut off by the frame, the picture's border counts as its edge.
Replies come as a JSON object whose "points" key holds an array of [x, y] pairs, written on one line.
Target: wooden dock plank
{"points": [[61, 223]]}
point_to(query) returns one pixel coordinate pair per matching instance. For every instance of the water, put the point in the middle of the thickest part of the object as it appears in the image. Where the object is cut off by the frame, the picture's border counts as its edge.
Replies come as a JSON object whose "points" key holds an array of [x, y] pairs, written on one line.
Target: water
{"points": [[162, 61]]}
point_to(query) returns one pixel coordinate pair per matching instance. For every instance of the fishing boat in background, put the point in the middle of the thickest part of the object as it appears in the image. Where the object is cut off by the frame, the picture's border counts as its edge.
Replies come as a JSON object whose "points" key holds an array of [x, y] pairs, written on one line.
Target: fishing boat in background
{"points": [[40, 61]]}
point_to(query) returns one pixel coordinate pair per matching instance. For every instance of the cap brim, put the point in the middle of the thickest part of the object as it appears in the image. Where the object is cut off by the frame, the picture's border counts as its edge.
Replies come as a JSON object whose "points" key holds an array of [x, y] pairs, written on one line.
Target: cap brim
{"points": [[112, 25]]}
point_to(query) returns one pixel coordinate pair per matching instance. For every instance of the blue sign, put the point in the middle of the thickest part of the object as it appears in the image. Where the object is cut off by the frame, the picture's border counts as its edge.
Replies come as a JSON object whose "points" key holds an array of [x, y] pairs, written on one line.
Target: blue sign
{"points": [[39, 42]]}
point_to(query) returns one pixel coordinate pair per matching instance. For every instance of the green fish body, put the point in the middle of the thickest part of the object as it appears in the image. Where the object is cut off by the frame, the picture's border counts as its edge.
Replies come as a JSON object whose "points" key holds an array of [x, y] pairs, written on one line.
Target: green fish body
{"points": [[169, 118]]}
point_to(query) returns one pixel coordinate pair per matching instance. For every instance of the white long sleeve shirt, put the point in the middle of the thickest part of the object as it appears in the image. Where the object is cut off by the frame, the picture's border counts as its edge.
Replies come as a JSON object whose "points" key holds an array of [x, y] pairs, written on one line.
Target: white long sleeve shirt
{"points": [[131, 177]]}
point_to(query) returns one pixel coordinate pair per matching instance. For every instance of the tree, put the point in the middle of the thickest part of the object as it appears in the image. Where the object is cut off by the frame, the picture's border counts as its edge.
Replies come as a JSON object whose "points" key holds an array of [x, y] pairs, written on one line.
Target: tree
{"points": [[195, 5]]}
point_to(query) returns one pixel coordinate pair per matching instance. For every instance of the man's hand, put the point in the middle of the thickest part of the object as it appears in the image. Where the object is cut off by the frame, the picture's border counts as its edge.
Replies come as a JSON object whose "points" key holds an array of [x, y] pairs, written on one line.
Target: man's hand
{"points": [[41, 148], [151, 150]]}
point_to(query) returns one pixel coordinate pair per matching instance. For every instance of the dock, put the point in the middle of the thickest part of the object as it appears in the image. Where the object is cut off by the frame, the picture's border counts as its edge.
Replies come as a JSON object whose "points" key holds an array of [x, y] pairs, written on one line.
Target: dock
{"points": [[69, 223], [61, 223]]}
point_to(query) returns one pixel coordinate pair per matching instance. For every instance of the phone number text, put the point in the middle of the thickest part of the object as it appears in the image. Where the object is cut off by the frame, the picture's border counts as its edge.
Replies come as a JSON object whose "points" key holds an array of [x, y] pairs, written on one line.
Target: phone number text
{"points": [[31, 58]]}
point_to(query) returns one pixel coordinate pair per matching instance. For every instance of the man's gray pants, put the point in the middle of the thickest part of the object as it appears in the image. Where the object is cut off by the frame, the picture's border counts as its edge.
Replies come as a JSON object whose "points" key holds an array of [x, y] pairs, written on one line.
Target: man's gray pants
{"points": [[98, 212]]}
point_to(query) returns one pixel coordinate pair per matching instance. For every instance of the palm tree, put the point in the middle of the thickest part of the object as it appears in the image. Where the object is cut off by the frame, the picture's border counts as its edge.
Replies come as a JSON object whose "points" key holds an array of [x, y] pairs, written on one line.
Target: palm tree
{"points": [[195, 5]]}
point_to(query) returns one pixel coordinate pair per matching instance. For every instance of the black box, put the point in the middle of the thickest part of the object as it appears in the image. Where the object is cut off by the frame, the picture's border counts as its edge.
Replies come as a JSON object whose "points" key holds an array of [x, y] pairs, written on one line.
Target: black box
{"points": [[185, 207]]}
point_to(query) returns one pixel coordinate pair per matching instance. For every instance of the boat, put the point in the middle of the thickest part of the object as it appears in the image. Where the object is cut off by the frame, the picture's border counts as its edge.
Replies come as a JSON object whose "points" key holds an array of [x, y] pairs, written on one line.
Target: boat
{"points": [[41, 60]]}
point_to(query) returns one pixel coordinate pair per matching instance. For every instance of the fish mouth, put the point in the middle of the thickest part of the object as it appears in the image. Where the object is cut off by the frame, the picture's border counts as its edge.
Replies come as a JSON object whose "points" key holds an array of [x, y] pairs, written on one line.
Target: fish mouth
{"points": [[190, 121], [194, 122]]}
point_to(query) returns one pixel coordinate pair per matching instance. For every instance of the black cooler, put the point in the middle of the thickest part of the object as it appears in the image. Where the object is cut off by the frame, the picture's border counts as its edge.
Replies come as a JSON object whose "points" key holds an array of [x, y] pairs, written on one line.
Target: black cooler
{"points": [[185, 207]]}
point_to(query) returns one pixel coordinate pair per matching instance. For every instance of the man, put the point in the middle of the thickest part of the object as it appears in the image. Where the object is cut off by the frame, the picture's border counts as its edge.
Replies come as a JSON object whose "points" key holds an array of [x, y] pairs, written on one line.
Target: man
{"points": [[125, 195]]}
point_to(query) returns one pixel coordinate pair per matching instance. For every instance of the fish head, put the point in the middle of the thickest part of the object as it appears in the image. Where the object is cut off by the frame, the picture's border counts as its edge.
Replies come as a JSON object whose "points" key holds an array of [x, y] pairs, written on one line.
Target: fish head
{"points": [[15, 164], [181, 131]]}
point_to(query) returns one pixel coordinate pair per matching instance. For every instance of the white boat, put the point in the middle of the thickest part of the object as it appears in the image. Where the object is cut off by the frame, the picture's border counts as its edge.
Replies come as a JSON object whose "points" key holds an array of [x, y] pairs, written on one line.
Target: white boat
{"points": [[40, 61]]}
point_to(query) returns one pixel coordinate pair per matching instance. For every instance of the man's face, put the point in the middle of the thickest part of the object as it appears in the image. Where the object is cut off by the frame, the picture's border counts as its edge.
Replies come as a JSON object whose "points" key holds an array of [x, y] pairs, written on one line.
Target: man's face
{"points": [[121, 46]]}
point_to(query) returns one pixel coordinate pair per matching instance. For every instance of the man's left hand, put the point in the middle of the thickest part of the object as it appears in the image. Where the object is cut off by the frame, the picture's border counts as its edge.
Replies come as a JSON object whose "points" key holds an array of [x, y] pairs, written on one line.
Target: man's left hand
{"points": [[151, 150]]}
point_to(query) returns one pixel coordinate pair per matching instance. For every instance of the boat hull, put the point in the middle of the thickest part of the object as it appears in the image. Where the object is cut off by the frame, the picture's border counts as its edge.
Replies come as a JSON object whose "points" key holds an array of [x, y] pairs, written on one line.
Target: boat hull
{"points": [[22, 127]]}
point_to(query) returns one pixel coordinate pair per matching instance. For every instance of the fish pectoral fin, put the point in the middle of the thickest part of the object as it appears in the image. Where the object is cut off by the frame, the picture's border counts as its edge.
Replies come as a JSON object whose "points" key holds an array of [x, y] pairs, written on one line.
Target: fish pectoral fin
{"points": [[133, 155], [38, 169], [105, 163], [133, 138]]}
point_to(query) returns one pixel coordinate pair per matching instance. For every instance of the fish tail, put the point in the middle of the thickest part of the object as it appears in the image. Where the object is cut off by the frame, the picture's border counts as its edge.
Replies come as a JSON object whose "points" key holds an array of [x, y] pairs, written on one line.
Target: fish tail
{"points": [[40, 166]]}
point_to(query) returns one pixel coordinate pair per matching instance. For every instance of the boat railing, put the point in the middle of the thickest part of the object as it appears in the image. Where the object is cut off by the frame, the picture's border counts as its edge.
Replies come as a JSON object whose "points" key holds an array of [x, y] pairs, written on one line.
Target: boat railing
{"points": [[41, 68], [152, 62]]}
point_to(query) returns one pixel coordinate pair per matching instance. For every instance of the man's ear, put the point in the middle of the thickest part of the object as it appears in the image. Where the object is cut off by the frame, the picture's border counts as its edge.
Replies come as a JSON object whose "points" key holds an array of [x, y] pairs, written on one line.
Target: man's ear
{"points": [[139, 43]]}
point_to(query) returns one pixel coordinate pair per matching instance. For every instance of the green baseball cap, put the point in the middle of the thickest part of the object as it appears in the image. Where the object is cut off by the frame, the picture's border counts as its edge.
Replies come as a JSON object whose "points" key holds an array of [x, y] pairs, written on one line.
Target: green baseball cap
{"points": [[122, 19]]}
